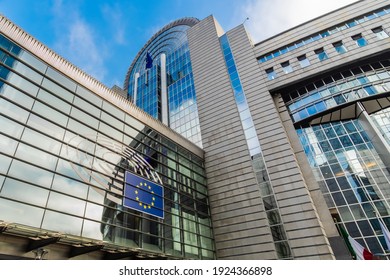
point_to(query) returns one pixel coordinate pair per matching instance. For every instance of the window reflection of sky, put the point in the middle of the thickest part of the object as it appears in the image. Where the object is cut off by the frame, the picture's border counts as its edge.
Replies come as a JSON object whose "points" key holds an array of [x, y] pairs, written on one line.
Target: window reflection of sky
{"points": [[329, 96], [351, 175]]}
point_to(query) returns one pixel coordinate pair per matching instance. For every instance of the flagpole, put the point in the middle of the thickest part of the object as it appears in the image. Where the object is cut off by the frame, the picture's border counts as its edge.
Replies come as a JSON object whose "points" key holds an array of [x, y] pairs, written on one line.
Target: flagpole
{"points": [[343, 235]]}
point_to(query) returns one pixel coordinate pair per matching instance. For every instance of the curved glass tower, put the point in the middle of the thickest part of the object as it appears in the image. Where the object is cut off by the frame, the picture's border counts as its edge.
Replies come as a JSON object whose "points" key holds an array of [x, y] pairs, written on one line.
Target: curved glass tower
{"points": [[160, 80]]}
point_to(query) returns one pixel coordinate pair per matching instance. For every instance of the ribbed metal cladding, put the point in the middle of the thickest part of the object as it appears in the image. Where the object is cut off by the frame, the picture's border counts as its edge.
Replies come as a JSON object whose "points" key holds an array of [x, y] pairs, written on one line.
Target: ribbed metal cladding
{"points": [[240, 226]]}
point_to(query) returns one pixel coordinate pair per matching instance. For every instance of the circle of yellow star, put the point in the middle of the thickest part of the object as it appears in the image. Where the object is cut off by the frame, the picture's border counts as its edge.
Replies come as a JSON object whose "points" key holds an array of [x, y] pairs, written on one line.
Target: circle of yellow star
{"points": [[141, 203]]}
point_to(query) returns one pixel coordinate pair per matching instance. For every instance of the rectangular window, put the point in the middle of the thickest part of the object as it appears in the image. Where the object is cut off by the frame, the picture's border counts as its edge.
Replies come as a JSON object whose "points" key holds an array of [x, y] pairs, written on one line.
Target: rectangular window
{"points": [[303, 61], [287, 68], [322, 55], [270, 73], [360, 40], [339, 47], [380, 33]]}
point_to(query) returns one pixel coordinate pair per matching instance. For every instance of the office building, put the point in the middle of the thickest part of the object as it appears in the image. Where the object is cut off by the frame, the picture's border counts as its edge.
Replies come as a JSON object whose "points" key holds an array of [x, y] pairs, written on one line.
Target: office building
{"points": [[160, 80], [86, 174], [248, 150]]}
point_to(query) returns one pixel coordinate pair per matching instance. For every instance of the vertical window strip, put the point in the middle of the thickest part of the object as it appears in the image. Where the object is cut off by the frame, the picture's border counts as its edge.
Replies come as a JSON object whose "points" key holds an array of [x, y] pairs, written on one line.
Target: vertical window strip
{"points": [[258, 163]]}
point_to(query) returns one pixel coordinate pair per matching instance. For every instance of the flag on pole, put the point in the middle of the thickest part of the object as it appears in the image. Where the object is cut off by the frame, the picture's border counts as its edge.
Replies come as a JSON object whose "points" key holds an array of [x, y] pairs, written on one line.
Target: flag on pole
{"points": [[360, 252], [386, 234], [148, 61], [357, 251], [148, 65]]}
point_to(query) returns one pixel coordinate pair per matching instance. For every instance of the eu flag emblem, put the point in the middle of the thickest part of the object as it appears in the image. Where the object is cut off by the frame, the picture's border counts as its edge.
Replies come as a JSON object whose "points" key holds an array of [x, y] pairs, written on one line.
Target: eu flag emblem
{"points": [[143, 195]]}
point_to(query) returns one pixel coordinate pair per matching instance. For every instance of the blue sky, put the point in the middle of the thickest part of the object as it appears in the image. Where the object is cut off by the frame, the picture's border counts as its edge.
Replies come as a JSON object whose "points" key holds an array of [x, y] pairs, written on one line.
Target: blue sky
{"points": [[103, 37]]}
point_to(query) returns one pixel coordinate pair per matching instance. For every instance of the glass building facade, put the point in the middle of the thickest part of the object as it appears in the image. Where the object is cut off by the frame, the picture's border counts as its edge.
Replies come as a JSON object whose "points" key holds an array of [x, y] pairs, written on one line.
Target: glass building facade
{"points": [[64, 153], [342, 124], [165, 89], [295, 147]]}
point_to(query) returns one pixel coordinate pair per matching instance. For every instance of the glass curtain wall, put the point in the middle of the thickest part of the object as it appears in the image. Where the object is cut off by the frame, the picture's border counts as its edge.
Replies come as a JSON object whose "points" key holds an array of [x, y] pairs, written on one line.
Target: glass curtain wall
{"points": [[181, 97], [63, 155], [348, 165]]}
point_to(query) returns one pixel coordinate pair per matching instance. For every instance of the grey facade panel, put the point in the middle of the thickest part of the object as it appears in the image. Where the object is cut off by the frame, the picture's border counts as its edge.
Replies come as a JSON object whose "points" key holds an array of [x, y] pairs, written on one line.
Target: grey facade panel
{"points": [[217, 130], [272, 142]]}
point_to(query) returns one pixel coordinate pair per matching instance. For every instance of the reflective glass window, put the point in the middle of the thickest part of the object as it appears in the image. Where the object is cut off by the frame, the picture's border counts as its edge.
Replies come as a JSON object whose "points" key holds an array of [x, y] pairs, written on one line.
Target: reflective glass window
{"points": [[338, 198], [87, 106], [50, 113], [110, 131], [53, 101], [66, 204], [360, 40], [380, 33], [17, 96], [21, 213], [287, 68], [332, 185], [46, 127], [271, 74], [113, 110], [74, 191], [321, 54], [30, 173], [27, 72], [84, 118], [41, 141], [24, 192], [36, 156], [68, 186], [339, 47], [61, 222], [10, 127], [92, 230], [4, 163], [57, 90], [80, 128], [60, 78], [345, 214], [303, 61], [7, 145], [22, 84], [112, 121], [13, 111], [32, 61]]}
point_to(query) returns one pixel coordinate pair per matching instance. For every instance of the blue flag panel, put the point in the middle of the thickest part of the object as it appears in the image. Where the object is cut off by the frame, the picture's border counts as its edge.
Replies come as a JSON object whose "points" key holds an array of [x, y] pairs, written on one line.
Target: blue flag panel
{"points": [[143, 195], [149, 61]]}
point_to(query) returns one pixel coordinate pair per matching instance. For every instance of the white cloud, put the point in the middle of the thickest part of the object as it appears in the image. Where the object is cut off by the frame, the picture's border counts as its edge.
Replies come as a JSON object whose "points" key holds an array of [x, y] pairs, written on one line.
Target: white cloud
{"points": [[77, 41], [84, 49], [116, 20], [270, 17]]}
